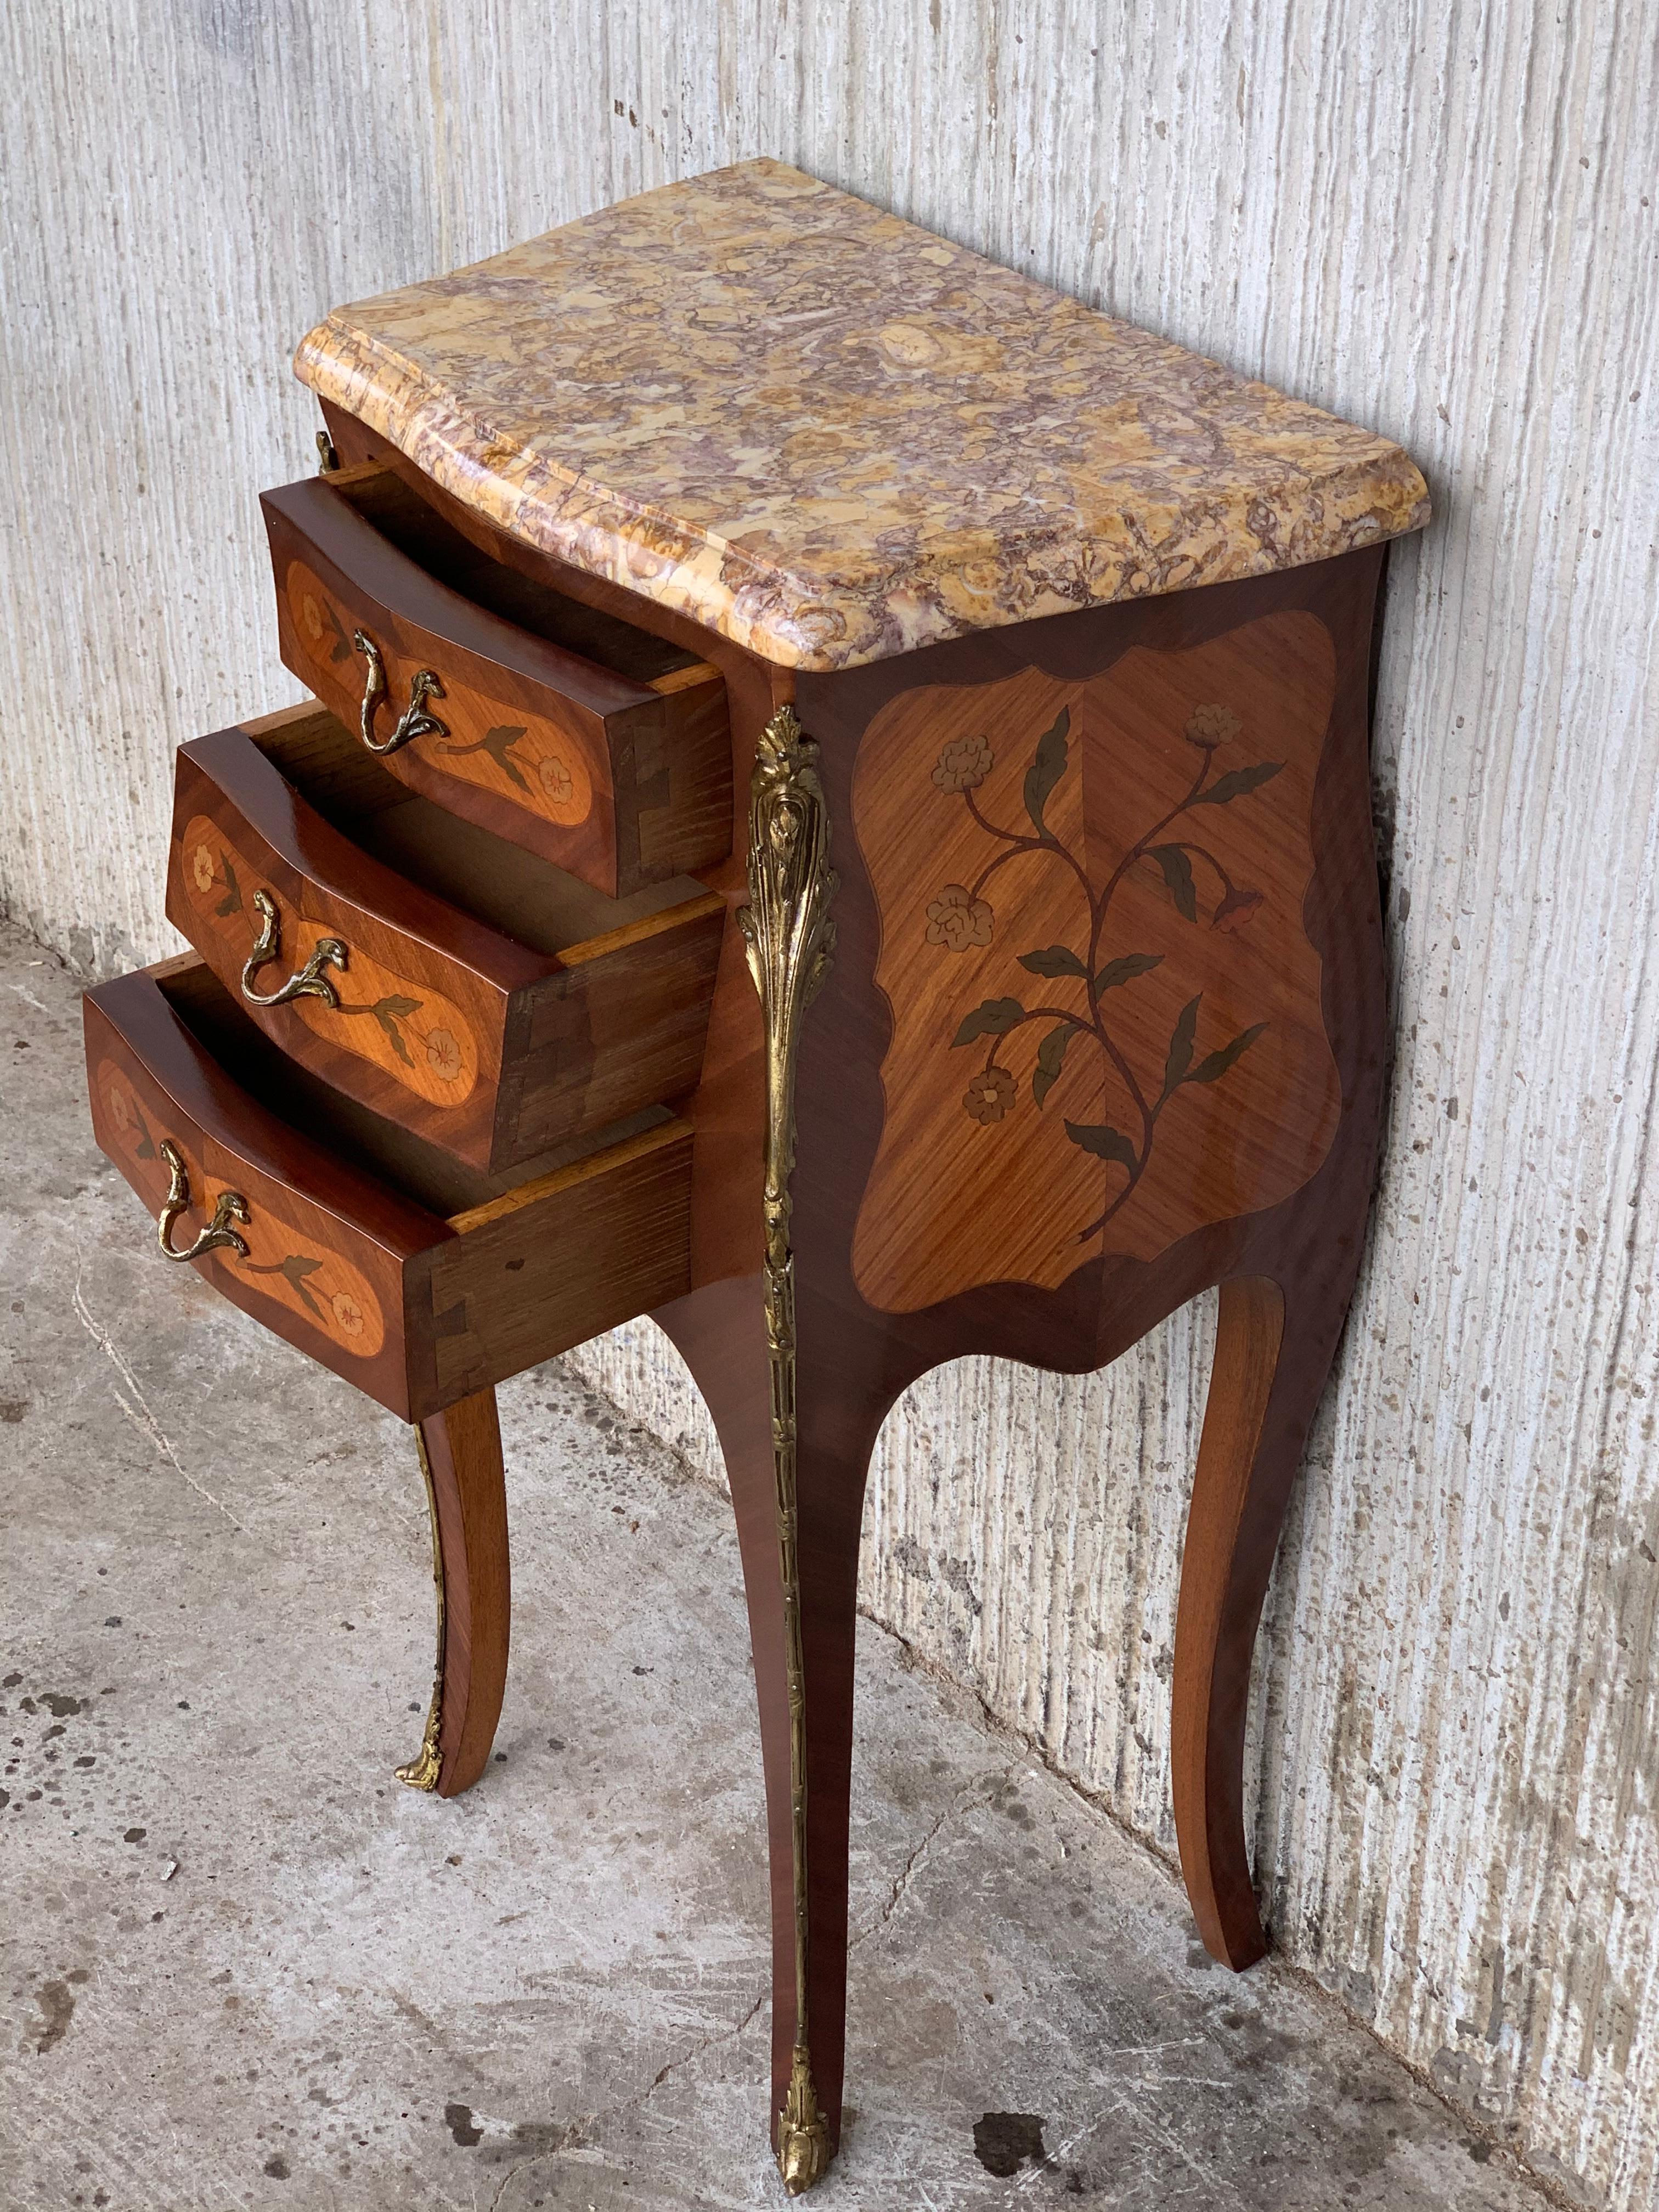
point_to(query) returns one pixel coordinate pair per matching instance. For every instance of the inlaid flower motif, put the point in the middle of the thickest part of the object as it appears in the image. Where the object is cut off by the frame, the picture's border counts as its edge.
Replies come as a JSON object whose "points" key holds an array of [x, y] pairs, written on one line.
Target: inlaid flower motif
{"points": [[989, 1095], [443, 1055], [348, 1312], [556, 780], [1103, 1011], [955, 919], [201, 869], [1210, 726], [1236, 909], [964, 764], [312, 616], [117, 1100]]}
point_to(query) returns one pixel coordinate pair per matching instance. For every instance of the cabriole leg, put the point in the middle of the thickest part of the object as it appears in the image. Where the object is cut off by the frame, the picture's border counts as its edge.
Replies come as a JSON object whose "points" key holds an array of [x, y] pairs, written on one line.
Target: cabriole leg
{"points": [[460, 1452], [805, 1696], [1274, 1351]]}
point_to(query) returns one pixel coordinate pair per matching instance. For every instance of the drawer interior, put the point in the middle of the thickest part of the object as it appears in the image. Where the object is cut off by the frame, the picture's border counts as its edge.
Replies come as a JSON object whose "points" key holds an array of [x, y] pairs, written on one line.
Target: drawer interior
{"points": [[403, 519], [395, 1156], [513, 890]]}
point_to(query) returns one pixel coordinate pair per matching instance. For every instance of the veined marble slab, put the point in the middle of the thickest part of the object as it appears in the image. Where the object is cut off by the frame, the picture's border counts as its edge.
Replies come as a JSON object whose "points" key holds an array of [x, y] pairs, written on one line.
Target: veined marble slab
{"points": [[831, 436]]}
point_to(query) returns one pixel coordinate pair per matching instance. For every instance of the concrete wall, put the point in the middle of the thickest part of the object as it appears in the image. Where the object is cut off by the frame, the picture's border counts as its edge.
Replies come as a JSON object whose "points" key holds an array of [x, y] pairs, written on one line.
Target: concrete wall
{"points": [[1434, 218]]}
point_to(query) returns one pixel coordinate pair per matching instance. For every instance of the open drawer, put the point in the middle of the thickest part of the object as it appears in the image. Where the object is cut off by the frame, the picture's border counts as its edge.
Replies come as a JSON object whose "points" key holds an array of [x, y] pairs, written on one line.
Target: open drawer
{"points": [[418, 1280], [595, 744], [485, 999]]}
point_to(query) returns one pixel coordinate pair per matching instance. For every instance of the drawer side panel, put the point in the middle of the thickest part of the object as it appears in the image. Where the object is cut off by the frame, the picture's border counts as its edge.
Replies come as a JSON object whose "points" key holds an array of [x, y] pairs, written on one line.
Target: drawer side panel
{"points": [[558, 1262]]}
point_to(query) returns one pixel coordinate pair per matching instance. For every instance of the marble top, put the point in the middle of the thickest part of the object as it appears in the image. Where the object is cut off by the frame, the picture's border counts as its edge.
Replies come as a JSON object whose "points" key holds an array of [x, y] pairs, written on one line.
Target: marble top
{"points": [[831, 436]]}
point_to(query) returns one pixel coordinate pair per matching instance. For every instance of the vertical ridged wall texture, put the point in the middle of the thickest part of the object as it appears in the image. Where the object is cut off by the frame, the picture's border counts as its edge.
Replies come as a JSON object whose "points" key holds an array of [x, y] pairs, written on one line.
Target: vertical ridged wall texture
{"points": [[1435, 219]]}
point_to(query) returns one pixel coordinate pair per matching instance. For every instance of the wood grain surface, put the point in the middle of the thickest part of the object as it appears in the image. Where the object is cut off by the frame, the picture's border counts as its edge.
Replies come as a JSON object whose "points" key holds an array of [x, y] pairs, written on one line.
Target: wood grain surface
{"points": [[557, 1259], [344, 1265], [1106, 1030], [334, 1260], [448, 1024], [615, 779], [464, 1455], [853, 1359]]}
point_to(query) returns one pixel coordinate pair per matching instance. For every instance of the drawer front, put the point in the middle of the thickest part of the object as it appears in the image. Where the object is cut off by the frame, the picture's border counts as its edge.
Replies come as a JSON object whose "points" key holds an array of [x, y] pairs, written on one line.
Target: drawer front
{"points": [[333, 1261], [421, 1011], [416, 1017], [339, 1263], [623, 782]]}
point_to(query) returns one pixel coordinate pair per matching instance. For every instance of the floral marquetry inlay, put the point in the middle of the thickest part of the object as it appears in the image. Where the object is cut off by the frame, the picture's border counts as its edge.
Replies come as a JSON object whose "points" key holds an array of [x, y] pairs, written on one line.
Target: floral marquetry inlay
{"points": [[415, 1033], [286, 1259], [483, 741], [1101, 990]]}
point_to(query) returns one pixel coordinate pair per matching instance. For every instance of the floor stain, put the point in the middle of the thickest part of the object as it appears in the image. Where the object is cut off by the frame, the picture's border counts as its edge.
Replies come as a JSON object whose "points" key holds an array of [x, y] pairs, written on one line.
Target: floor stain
{"points": [[1004, 2142], [458, 2118], [56, 2003]]}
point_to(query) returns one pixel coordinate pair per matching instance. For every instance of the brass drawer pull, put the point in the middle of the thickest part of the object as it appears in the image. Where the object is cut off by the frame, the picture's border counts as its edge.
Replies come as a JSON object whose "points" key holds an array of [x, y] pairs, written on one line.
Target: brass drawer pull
{"points": [[414, 721], [307, 983], [230, 1205]]}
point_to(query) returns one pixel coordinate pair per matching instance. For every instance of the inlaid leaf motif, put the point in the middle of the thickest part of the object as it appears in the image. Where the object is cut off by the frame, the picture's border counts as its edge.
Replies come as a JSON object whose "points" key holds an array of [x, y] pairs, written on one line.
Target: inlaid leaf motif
{"points": [[961, 917], [388, 1013], [1053, 960], [1214, 1065], [1178, 874], [341, 649], [232, 901], [296, 1269], [1047, 768], [1236, 784], [992, 1017], [293, 1270], [145, 1149], [1051, 1054], [1181, 1045], [1106, 1144], [498, 743], [1126, 969]]}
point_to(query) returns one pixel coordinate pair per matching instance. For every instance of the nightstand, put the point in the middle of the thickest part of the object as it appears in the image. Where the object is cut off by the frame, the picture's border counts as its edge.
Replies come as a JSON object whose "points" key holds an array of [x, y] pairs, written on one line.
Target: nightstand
{"points": [[836, 813]]}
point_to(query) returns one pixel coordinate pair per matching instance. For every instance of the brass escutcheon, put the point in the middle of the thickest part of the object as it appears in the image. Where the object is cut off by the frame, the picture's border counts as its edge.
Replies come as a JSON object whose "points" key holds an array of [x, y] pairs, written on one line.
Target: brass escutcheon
{"points": [[307, 983], [414, 721], [230, 1205]]}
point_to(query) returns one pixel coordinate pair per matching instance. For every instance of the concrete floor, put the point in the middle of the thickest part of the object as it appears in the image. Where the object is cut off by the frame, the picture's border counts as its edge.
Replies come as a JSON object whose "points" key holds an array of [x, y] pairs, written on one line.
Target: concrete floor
{"points": [[243, 1966]]}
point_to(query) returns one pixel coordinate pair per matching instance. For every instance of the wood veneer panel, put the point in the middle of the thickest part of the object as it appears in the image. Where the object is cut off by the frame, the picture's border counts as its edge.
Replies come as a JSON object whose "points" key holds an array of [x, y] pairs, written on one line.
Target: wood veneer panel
{"points": [[1107, 1020], [621, 780], [333, 1257], [463, 1446], [340, 1263], [562, 1259], [444, 1023]]}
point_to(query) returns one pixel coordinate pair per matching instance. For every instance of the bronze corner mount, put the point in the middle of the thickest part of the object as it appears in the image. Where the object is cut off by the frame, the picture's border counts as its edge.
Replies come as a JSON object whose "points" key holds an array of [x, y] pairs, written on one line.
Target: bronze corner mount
{"points": [[788, 940]]}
